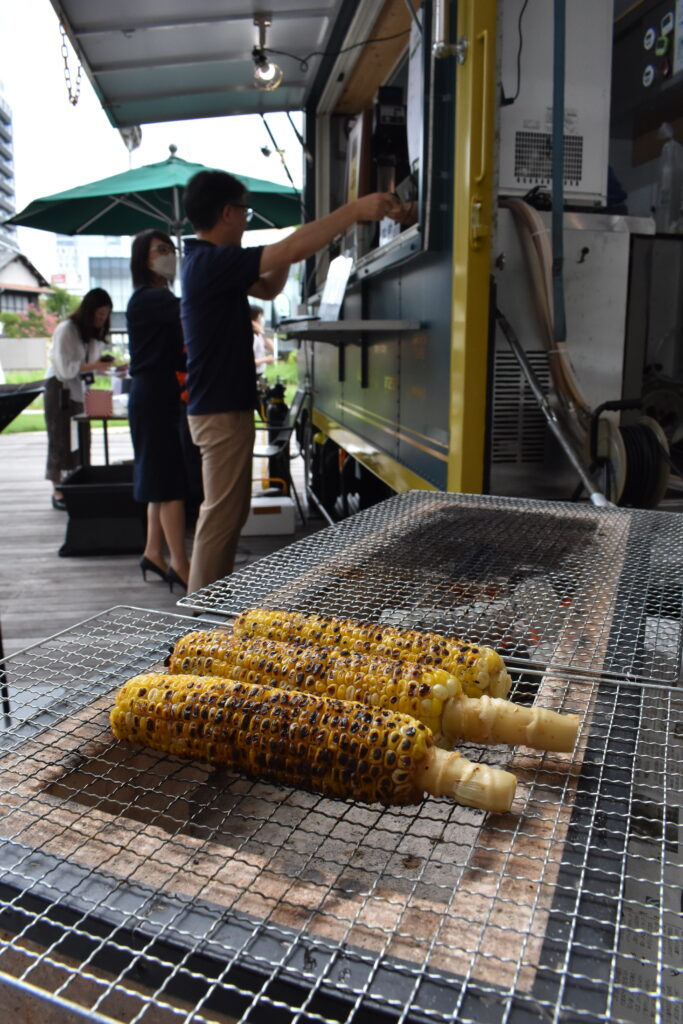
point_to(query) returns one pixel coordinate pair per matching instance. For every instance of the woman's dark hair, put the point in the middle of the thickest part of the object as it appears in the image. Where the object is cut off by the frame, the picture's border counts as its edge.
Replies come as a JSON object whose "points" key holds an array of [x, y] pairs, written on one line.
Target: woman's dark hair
{"points": [[207, 194], [256, 312], [84, 315], [139, 253]]}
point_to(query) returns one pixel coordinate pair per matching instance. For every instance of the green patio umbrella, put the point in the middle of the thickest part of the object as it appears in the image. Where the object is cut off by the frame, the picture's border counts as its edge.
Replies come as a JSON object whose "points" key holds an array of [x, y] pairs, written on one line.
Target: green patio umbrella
{"points": [[148, 197]]}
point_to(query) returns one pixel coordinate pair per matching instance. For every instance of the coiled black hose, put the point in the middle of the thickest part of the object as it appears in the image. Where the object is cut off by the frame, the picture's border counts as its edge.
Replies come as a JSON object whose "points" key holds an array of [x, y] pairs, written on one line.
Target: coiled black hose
{"points": [[644, 459]]}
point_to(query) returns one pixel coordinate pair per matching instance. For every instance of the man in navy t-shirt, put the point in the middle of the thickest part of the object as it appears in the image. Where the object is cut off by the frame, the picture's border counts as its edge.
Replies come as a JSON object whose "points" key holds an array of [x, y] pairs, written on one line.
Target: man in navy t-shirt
{"points": [[218, 275]]}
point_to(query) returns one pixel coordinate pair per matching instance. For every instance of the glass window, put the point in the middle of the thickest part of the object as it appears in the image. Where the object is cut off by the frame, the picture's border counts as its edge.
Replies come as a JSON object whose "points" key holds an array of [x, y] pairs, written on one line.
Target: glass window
{"points": [[113, 274], [13, 303]]}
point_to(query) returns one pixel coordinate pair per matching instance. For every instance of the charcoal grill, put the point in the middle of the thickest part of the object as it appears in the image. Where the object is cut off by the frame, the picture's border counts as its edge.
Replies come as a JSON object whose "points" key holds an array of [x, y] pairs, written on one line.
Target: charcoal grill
{"points": [[135, 887], [591, 590]]}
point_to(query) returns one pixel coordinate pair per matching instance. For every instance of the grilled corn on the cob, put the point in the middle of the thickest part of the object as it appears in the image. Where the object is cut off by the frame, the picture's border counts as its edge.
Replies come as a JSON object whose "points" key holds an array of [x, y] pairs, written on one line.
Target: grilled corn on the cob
{"points": [[479, 669], [428, 694], [337, 748]]}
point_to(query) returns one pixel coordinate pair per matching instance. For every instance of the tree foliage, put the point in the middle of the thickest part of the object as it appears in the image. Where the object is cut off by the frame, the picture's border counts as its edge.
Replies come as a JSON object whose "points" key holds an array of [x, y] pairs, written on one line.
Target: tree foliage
{"points": [[61, 302], [35, 322]]}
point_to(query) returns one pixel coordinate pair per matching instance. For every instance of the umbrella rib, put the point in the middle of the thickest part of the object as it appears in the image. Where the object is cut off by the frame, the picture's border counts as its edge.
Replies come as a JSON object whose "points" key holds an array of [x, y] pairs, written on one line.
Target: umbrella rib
{"points": [[141, 207], [145, 206], [100, 213], [265, 220]]}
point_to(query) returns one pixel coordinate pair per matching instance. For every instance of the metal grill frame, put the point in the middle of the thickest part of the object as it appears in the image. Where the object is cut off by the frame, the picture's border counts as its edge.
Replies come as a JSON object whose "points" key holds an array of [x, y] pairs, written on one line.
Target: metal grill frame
{"points": [[596, 579], [619, 831]]}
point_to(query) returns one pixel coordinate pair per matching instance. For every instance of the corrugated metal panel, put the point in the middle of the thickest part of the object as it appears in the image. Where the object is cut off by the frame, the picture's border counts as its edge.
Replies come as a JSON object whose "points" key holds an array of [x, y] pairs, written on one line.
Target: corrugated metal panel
{"points": [[169, 60], [519, 427]]}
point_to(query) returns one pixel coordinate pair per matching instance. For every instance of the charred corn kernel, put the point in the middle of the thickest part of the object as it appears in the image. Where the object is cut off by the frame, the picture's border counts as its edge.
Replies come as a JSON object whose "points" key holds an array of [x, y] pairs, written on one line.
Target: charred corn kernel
{"points": [[337, 748], [430, 695], [395, 686], [478, 669]]}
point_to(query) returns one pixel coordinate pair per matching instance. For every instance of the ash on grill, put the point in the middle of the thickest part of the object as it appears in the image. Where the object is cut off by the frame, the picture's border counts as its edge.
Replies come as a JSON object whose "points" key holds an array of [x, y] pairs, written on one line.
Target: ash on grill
{"points": [[130, 879], [556, 584]]}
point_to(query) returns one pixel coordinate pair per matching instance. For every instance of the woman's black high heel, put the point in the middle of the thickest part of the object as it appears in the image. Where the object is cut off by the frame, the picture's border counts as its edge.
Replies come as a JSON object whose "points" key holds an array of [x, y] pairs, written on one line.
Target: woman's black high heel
{"points": [[173, 577], [147, 566]]}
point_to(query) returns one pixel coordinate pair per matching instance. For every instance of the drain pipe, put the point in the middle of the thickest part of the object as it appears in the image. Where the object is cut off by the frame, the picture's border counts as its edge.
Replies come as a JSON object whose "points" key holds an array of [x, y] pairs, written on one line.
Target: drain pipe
{"points": [[560, 324], [596, 496]]}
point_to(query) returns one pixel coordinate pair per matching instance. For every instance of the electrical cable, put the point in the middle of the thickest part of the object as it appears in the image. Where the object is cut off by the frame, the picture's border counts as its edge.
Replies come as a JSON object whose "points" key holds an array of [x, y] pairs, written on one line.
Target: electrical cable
{"points": [[413, 15], [280, 152], [508, 100], [300, 139], [303, 61]]}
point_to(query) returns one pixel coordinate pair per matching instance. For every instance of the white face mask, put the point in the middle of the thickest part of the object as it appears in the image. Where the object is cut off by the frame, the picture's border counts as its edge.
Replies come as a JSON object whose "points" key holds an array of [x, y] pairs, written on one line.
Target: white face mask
{"points": [[164, 266]]}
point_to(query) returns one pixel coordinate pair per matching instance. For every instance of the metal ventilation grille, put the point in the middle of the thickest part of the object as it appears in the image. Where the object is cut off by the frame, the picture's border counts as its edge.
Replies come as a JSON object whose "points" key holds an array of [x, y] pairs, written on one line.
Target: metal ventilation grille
{"points": [[139, 888], [533, 158], [519, 427], [595, 590]]}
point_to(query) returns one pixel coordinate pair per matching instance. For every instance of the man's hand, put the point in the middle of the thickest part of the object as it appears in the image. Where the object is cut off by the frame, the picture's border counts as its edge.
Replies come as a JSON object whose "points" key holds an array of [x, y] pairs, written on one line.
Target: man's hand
{"points": [[313, 236], [377, 205], [407, 215]]}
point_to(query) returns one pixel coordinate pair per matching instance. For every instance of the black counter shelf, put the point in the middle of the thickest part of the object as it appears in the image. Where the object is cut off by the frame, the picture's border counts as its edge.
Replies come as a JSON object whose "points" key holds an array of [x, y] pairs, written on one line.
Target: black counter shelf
{"points": [[341, 332], [348, 332]]}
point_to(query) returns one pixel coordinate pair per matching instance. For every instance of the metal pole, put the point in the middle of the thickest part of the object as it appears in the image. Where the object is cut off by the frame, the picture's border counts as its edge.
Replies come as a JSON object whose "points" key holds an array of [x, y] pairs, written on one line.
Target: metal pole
{"points": [[178, 225], [4, 688], [595, 495]]}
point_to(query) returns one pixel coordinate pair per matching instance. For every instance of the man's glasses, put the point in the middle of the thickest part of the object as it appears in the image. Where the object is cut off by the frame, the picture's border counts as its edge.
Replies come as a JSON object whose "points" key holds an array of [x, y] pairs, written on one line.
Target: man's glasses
{"points": [[248, 212], [163, 249]]}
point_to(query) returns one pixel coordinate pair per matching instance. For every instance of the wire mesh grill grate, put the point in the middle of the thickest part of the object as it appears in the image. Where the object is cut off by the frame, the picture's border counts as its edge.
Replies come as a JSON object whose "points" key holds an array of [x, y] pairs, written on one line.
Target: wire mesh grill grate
{"points": [[140, 888], [596, 590]]}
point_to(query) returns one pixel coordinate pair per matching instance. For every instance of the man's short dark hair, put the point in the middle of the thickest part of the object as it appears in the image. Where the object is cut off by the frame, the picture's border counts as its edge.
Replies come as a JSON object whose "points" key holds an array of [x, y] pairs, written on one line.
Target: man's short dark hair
{"points": [[207, 194]]}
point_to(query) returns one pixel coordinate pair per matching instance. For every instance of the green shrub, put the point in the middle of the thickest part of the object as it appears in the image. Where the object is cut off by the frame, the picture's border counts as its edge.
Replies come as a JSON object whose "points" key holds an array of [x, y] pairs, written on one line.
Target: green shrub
{"points": [[26, 422], [32, 418]]}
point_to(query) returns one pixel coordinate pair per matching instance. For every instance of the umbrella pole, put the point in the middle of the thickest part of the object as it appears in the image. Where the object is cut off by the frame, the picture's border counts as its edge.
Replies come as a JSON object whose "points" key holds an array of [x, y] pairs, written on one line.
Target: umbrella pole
{"points": [[178, 225]]}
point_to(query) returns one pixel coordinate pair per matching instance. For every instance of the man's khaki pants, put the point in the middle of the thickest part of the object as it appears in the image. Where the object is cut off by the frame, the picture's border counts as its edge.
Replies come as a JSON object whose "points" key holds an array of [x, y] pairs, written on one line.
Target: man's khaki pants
{"points": [[226, 442]]}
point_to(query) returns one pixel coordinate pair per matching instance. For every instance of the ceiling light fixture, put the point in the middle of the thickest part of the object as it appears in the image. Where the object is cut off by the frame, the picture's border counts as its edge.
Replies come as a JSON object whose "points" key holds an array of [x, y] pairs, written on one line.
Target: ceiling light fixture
{"points": [[267, 74]]}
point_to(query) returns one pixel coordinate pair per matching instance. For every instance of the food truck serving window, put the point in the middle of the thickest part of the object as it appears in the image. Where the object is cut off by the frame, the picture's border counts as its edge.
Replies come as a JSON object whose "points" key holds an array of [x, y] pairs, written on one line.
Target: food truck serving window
{"points": [[370, 134]]}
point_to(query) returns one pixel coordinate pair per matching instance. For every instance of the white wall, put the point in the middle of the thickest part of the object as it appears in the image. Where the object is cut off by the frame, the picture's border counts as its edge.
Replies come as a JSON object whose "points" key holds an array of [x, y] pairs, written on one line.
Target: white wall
{"points": [[17, 273], [24, 354]]}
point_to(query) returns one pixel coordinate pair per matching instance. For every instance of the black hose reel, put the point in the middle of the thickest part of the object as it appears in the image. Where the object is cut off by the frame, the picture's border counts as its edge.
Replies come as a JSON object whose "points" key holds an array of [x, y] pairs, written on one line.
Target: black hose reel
{"points": [[632, 461]]}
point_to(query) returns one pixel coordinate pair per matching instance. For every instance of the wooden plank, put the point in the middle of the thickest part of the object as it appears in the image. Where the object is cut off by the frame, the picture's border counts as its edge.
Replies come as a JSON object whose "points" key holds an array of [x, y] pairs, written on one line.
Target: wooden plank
{"points": [[41, 593], [377, 60]]}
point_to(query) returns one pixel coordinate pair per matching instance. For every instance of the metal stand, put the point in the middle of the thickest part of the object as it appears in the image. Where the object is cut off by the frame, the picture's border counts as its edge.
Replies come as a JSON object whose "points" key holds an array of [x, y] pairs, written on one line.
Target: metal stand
{"points": [[277, 449], [4, 688], [595, 495], [83, 421]]}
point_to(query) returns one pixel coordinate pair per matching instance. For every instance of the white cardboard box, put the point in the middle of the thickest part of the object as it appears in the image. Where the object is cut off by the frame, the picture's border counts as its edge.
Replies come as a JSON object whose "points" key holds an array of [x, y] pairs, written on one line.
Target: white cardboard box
{"points": [[270, 515]]}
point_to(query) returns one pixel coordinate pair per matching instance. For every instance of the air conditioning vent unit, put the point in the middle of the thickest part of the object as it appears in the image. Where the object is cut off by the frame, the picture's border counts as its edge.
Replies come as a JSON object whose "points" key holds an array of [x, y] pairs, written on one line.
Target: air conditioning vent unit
{"points": [[519, 426], [526, 123]]}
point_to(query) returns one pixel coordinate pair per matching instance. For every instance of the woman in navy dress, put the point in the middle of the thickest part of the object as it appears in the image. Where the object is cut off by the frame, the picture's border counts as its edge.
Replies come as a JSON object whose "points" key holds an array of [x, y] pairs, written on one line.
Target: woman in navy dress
{"points": [[156, 354]]}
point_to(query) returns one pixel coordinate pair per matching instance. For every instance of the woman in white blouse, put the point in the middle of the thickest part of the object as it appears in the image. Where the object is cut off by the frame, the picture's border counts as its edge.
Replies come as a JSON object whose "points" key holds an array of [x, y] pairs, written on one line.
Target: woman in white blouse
{"points": [[76, 348]]}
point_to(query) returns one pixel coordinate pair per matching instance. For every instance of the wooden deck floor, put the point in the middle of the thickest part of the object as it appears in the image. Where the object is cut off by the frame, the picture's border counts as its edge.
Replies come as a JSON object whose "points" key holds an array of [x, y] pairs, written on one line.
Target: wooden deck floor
{"points": [[42, 593]]}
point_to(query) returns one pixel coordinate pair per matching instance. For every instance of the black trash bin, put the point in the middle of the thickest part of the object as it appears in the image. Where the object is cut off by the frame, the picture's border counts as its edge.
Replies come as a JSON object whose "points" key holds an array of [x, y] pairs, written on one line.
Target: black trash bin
{"points": [[104, 519]]}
